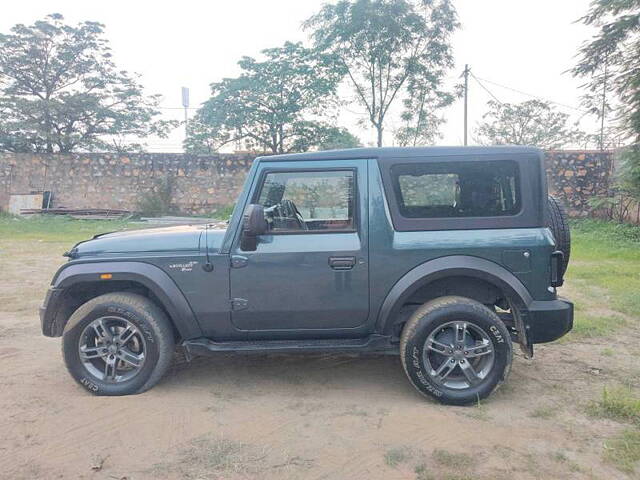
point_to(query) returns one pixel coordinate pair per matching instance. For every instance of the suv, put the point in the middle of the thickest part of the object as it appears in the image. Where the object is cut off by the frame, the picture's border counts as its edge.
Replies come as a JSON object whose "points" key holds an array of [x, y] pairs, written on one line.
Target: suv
{"points": [[444, 256]]}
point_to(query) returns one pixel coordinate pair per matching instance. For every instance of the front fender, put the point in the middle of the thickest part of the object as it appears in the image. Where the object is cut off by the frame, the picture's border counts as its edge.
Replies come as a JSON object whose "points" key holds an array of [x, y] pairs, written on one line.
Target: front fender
{"points": [[450, 266], [145, 274]]}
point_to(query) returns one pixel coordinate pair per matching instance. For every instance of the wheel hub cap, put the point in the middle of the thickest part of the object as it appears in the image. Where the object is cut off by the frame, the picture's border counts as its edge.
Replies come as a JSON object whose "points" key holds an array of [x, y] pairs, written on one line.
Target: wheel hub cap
{"points": [[458, 355], [112, 349]]}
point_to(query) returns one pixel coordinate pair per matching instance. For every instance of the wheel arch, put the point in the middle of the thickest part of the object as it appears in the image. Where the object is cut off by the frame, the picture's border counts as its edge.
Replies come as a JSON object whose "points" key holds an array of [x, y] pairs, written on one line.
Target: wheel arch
{"points": [[442, 268], [74, 284]]}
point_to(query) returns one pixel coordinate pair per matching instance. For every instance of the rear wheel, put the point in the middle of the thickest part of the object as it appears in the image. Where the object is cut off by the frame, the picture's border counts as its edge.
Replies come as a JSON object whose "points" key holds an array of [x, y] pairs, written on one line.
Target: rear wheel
{"points": [[455, 350], [118, 344]]}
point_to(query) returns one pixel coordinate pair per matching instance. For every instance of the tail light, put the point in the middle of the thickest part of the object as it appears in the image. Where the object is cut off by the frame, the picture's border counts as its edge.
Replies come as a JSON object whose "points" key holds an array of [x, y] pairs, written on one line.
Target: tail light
{"points": [[557, 263]]}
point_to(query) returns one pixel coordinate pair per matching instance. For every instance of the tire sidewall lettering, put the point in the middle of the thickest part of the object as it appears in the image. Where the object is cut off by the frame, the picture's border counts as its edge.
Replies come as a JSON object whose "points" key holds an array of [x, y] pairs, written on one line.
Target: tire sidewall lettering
{"points": [[89, 385]]}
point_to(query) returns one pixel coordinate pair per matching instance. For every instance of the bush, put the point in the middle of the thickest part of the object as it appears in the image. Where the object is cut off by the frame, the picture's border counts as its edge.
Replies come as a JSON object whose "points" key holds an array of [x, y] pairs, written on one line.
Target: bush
{"points": [[223, 212], [157, 201]]}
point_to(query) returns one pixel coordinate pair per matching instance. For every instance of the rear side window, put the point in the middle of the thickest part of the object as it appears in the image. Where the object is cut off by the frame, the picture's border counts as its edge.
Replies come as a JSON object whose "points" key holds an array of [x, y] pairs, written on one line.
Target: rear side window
{"points": [[457, 189]]}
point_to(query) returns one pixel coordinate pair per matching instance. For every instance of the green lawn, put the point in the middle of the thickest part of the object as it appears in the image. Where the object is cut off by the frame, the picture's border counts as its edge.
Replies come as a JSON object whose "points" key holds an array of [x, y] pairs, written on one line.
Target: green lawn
{"points": [[57, 229], [604, 276]]}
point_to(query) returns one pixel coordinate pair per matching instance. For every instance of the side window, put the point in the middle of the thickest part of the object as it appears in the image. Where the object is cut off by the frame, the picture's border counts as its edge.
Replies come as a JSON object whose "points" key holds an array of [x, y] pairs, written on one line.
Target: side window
{"points": [[309, 201], [457, 189]]}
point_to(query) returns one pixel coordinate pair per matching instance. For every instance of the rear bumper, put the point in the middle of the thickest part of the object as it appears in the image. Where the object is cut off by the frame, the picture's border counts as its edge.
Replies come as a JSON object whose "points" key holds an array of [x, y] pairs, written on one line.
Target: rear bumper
{"points": [[549, 320]]}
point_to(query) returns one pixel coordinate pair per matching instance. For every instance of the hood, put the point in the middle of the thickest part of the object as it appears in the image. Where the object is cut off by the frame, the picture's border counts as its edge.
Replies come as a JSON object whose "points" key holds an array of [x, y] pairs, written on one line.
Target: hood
{"points": [[184, 238]]}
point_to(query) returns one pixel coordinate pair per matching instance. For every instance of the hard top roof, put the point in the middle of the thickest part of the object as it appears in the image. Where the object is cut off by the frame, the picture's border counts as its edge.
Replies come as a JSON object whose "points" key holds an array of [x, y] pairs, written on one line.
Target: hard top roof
{"points": [[401, 152]]}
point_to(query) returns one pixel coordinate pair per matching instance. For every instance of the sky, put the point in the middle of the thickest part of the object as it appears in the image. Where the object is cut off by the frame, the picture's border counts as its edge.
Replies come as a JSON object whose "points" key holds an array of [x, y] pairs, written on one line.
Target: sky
{"points": [[512, 46]]}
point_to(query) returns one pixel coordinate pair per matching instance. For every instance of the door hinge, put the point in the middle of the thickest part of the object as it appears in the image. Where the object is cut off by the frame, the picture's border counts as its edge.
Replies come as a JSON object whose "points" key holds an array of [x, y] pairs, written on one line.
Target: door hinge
{"points": [[238, 261], [239, 304]]}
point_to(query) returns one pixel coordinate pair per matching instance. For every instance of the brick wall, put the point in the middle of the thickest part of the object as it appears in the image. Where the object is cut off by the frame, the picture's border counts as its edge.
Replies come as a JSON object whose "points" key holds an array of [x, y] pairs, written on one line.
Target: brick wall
{"points": [[203, 183]]}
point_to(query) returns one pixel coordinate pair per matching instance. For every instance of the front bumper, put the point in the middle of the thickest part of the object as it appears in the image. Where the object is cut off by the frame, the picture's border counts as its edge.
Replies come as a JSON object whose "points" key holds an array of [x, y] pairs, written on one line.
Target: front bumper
{"points": [[549, 320]]}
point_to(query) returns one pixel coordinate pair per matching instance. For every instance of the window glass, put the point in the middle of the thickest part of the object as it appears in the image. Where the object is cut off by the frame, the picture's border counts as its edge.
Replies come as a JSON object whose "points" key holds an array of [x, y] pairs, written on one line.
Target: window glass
{"points": [[457, 189], [298, 201]]}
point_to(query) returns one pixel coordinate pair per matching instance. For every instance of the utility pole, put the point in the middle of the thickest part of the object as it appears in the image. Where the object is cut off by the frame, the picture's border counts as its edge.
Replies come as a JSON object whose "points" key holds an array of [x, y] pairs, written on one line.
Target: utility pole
{"points": [[466, 97], [185, 104]]}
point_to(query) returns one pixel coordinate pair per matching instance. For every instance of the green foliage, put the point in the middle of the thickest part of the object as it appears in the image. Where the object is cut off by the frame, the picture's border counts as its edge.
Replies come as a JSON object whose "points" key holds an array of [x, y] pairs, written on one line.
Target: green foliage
{"points": [[390, 50], [612, 57], [597, 237], [421, 122], [158, 200], [61, 92], [610, 61], [223, 212], [533, 122], [269, 105], [629, 175], [334, 138]]}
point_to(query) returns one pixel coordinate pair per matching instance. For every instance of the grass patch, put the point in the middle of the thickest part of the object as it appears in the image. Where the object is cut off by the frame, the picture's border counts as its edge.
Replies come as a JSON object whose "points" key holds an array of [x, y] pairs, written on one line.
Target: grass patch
{"points": [[587, 325], [57, 228], [606, 266], [397, 455], [223, 212], [208, 455], [543, 412], [452, 460], [619, 404], [623, 450]]}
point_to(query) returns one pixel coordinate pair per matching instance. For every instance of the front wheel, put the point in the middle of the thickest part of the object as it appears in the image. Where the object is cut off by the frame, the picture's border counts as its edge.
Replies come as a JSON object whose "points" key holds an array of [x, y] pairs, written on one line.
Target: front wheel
{"points": [[118, 344], [455, 350]]}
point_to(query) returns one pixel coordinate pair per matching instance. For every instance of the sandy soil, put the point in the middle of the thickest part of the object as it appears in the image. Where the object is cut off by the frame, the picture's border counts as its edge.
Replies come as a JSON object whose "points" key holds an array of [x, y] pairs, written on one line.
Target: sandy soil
{"points": [[311, 417]]}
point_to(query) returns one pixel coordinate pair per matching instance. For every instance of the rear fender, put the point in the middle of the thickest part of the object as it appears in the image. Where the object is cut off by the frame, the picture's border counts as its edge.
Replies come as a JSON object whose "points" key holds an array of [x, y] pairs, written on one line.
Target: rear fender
{"points": [[455, 266]]}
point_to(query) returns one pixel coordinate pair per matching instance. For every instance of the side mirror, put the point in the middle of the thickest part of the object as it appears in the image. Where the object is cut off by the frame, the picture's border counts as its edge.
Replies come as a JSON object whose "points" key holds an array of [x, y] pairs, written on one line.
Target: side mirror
{"points": [[253, 225]]}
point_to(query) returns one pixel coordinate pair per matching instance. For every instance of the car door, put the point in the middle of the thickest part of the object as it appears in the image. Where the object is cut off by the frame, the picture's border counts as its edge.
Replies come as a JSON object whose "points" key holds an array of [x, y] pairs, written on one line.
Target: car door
{"points": [[309, 273]]}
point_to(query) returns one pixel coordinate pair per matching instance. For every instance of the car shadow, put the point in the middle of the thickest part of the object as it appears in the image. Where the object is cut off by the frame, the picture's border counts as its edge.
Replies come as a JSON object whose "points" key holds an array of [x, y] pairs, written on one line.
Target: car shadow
{"points": [[295, 374]]}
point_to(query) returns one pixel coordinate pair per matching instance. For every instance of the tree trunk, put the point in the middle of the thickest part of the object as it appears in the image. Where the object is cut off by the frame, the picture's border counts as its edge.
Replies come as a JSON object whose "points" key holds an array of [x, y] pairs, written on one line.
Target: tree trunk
{"points": [[379, 129]]}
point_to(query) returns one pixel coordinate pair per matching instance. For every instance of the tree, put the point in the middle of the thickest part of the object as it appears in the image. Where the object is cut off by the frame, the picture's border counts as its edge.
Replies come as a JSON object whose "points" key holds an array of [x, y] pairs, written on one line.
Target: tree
{"points": [[611, 60], [60, 91], [421, 123], [386, 45], [533, 122], [271, 103], [333, 138]]}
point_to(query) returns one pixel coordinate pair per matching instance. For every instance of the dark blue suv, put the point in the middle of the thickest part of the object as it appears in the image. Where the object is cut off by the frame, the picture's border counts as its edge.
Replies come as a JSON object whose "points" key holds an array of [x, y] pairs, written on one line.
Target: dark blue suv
{"points": [[444, 256]]}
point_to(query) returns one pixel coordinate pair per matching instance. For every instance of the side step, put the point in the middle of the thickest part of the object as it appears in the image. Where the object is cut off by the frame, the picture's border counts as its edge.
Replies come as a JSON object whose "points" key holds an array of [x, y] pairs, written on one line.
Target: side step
{"points": [[372, 343]]}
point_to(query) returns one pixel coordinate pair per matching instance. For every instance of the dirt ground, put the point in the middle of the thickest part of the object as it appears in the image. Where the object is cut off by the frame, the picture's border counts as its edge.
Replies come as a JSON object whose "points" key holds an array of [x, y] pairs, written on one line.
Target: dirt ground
{"points": [[289, 417]]}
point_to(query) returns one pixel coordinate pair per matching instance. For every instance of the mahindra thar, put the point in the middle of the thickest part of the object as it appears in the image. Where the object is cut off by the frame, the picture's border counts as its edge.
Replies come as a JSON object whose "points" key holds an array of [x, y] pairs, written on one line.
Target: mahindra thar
{"points": [[445, 256]]}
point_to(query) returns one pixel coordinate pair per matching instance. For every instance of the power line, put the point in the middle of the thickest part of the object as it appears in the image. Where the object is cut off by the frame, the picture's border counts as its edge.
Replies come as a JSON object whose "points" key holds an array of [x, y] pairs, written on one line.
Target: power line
{"points": [[486, 89], [539, 97]]}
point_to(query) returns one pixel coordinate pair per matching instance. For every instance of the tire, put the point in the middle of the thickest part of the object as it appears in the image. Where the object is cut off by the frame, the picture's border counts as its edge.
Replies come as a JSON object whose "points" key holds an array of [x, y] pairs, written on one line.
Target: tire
{"points": [[559, 225], [483, 331], [104, 323]]}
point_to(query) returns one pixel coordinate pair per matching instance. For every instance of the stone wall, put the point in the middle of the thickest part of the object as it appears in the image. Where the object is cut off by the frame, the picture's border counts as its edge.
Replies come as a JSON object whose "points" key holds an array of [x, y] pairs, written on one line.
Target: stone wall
{"points": [[203, 183], [575, 176]]}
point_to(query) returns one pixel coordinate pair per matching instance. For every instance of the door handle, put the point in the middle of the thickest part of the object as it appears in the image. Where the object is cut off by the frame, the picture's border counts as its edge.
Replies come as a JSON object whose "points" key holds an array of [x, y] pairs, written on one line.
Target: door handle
{"points": [[342, 263]]}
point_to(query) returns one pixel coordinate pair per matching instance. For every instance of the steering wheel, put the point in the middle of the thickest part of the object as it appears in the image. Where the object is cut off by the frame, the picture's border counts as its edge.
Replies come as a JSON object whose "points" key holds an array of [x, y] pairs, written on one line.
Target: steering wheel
{"points": [[289, 210], [282, 213]]}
